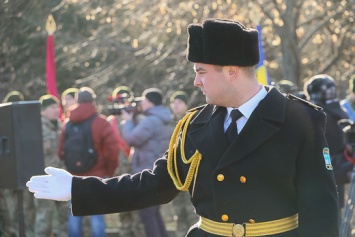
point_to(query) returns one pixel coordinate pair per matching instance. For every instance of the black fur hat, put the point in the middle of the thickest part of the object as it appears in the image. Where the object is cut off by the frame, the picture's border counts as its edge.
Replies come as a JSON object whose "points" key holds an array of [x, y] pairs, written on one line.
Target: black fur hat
{"points": [[222, 42]]}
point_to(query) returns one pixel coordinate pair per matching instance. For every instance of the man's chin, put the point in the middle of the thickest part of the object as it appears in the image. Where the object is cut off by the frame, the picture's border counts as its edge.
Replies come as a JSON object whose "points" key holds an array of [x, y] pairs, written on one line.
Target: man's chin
{"points": [[209, 101]]}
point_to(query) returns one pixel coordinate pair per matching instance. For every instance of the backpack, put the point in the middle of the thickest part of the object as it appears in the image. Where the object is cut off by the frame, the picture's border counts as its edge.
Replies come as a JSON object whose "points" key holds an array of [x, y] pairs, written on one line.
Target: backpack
{"points": [[78, 153]]}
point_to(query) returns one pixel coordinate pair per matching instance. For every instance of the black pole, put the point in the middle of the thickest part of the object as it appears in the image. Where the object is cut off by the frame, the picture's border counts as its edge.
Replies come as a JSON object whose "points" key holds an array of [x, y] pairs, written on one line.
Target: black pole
{"points": [[20, 212]]}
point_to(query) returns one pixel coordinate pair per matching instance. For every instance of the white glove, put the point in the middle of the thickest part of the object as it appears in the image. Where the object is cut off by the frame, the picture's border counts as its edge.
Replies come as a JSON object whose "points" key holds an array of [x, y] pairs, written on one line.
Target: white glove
{"points": [[55, 186]]}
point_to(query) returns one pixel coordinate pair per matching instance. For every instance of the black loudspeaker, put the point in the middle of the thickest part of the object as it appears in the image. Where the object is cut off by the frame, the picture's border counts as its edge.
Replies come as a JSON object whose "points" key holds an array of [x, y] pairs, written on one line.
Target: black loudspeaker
{"points": [[21, 143]]}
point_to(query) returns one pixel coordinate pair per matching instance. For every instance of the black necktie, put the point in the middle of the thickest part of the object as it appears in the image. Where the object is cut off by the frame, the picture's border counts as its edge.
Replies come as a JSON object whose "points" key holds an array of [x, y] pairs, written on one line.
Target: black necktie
{"points": [[232, 130]]}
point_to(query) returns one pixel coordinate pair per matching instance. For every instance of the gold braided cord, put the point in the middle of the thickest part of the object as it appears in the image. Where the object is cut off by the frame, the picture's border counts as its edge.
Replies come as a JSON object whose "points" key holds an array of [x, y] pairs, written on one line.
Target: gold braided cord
{"points": [[194, 161]]}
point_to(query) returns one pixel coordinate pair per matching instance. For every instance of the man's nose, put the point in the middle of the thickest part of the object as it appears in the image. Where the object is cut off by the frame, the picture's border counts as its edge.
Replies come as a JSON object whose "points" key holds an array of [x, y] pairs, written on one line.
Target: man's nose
{"points": [[197, 81]]}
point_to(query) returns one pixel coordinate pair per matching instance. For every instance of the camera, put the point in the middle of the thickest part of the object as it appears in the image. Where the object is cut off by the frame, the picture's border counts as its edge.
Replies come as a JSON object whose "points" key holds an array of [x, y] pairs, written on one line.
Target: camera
{"points": [[123, 102], [116, 109]]}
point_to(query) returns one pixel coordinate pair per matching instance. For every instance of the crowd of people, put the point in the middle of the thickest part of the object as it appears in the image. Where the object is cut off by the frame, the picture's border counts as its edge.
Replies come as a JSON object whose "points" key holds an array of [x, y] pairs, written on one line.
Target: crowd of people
{"points": [[126, 142], [298, 184]]}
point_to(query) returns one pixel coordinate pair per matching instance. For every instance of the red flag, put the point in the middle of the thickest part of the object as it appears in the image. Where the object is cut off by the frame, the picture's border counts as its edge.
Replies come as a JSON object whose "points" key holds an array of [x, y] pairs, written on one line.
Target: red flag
{"points": [[50, 67], [50, 60]]}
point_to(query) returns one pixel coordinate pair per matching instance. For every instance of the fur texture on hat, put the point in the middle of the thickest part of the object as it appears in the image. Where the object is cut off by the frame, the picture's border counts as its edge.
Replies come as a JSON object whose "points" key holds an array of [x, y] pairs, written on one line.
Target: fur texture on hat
{"points": [[47, 100], [222, 42], [86, 95], [154, 95]]}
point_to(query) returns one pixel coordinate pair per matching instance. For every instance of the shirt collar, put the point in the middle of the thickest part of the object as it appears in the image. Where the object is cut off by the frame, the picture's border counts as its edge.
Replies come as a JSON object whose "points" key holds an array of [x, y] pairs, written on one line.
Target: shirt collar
{"points": [[248, 107]]}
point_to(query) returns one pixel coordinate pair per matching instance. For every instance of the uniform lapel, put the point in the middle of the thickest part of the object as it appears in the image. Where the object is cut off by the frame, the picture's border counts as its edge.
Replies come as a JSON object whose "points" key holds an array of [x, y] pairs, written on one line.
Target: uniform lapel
{"points": [[262, 124], [207, 135]]}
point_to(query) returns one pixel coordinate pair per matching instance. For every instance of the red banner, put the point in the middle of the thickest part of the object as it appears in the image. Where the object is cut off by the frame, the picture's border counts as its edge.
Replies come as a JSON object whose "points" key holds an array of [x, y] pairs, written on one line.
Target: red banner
{"points": [[50, 67]]}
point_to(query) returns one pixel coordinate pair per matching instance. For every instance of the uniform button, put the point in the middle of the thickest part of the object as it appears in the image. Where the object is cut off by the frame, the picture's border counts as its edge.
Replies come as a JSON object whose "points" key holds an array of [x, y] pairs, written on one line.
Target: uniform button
{"points": [[220, 177], [243, 179], [251, 221], [225, 217]]}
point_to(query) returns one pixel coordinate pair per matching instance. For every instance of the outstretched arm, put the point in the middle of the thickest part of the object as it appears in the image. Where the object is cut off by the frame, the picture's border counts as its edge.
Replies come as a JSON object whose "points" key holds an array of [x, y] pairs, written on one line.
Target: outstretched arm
{"points": [[91, 195], [94, 195]]}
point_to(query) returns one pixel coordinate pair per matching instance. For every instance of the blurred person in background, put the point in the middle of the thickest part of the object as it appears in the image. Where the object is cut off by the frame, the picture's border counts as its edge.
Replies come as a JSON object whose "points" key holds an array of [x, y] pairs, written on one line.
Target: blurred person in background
{"points": [[68, 99], [51, 217], [349, 102], [150, 139], [13, 96], [129, 222], [321, 90], [184, 210], [179, 104], [105, 144], [286, 86]]}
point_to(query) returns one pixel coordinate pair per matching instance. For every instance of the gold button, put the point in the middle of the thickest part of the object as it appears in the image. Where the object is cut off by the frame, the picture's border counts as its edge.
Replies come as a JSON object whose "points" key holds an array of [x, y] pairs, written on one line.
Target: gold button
{"points": [[220, 177], [251, 221], [225, 217], [243, 179]]}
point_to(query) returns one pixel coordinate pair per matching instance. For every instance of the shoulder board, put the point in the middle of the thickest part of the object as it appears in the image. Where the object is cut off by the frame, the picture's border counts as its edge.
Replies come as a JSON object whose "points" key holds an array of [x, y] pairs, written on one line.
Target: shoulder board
{"points": [[293, 97], [197, 108]]}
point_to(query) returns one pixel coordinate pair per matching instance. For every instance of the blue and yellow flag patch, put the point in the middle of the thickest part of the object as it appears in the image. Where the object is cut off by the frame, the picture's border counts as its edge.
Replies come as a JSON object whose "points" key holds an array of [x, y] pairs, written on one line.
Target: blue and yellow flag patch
{"points": [[326, 155]]}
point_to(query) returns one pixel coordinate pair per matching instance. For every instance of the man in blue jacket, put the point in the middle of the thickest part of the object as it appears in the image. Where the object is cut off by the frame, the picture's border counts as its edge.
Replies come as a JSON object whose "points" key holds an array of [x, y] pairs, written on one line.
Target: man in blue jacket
{"points": [[255, 162]]}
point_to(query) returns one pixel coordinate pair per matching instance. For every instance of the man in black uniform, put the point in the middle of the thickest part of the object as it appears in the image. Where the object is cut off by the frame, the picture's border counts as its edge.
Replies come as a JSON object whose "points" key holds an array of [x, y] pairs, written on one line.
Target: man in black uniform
{"points": [[274, 178]]}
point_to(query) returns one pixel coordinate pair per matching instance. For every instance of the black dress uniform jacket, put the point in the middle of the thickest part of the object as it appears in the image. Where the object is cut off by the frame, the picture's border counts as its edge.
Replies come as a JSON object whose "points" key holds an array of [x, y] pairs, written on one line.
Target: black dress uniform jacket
{"points": [[275, 169]]}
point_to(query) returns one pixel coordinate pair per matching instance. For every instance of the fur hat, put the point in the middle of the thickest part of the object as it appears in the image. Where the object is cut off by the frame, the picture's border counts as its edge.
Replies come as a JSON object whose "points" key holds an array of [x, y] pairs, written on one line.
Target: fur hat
{"points": [[47, 100], [181, 95], [13, 96], [86, 95], [154, 95], [222, 42]]}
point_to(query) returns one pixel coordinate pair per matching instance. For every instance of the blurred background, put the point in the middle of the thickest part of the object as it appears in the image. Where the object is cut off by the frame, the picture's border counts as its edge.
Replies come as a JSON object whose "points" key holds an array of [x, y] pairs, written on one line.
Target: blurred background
{"points": [[142, 44]]}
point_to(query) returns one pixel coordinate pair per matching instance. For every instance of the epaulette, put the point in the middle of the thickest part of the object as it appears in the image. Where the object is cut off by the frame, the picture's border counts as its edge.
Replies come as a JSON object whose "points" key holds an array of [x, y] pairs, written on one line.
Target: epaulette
{"points": [[197, 108], [314, 106]]}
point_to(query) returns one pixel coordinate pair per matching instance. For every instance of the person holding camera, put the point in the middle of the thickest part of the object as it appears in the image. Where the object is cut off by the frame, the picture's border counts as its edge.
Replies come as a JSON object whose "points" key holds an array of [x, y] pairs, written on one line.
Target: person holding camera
{"points": [[150, 139], [122, 96]]}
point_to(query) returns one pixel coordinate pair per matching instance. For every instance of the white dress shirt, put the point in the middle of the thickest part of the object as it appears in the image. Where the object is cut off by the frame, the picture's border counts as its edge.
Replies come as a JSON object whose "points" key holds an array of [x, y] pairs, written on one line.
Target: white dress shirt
{"points": [[246, 109]]}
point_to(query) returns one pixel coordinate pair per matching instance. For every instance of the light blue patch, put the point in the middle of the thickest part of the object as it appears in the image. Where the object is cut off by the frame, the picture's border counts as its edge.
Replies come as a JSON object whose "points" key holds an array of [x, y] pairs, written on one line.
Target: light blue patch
{"points": [[326, 155]]}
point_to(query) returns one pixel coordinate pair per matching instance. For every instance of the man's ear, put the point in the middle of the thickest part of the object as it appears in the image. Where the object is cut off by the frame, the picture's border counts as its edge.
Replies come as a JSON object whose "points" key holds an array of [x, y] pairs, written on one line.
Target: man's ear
{"points": [[232, 70]]}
